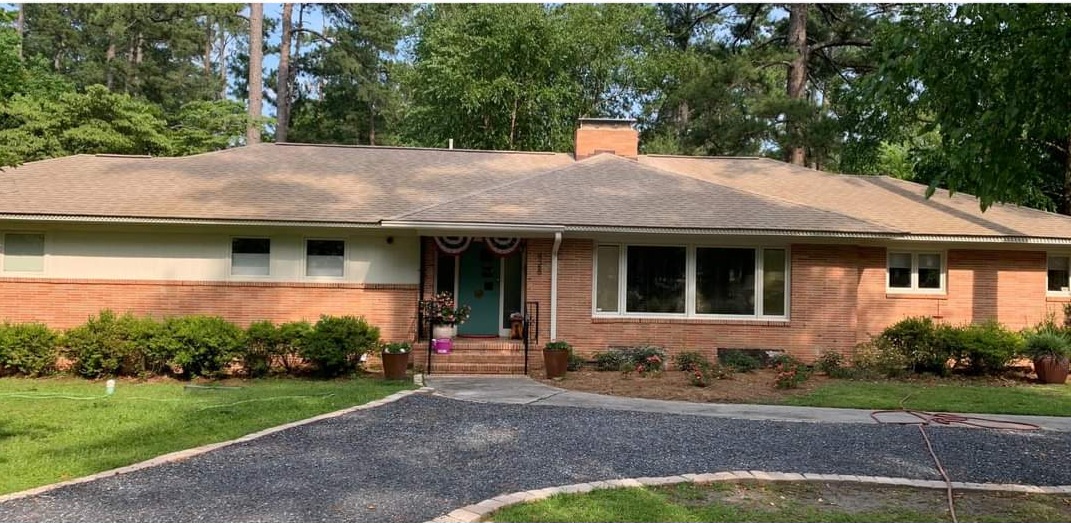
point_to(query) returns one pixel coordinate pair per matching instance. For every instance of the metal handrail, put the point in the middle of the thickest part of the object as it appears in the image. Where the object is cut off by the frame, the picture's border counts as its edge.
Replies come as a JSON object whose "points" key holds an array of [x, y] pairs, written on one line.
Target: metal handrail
{"points": [[531, 314]]}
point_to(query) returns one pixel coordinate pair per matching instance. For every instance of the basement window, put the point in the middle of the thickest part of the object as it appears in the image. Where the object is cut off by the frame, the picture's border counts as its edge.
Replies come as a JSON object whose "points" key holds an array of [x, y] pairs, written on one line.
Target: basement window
{"points": [[24, 252], [250, 257], [325, 258], [916, 272]]}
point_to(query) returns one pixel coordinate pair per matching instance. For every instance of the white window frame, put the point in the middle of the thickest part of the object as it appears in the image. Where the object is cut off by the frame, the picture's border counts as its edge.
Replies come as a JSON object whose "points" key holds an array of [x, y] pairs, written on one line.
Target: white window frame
{"points": [[1061, 293], [230, 251], [44, 254], [914, 289], [305, 258], [690, 280]]}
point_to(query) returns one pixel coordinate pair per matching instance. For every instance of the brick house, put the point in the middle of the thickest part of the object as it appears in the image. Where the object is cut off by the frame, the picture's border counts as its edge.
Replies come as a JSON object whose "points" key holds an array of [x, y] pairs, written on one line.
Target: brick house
{"points": [[610, 249]]}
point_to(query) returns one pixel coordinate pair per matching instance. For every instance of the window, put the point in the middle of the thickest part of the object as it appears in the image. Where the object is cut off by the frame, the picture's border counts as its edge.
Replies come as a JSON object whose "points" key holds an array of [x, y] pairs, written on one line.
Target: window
{"points": [[916, 271], [24, 252], [325, 258], [445, 272], [655, 277], [606, 278], [690, 281], [250, 256], [1059, 273]]}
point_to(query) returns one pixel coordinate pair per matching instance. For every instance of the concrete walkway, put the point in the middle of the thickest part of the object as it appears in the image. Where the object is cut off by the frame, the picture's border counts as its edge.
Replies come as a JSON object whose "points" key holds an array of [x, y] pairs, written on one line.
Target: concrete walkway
{"points": [[522, 390]]}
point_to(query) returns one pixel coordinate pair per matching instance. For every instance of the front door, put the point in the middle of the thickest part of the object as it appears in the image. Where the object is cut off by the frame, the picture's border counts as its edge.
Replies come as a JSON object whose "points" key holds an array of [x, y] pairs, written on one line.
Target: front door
{"points": [[479, 286]]}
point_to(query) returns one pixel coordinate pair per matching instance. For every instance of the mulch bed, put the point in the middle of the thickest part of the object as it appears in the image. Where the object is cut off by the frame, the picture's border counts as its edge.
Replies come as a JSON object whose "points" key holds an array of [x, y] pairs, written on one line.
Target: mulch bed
{"points": [[743, 387]]}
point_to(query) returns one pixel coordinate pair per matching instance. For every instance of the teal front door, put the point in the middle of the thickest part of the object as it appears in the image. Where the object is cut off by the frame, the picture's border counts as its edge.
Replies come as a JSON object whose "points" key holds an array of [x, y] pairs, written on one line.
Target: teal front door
{"points": [[479, 286]]}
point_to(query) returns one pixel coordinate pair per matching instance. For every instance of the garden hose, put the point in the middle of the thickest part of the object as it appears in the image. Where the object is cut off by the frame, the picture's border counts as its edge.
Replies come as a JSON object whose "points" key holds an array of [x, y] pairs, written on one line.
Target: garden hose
{"points": [[944, 418]]}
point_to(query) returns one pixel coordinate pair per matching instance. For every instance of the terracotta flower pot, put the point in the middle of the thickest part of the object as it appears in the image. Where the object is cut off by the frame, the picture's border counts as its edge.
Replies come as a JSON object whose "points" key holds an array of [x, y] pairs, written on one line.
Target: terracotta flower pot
{"points": [[556, 363], [394, 365], [1051, 370]]}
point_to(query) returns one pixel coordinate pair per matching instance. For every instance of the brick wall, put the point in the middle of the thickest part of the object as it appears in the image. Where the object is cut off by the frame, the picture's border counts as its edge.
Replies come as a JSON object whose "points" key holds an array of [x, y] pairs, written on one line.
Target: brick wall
{"points": [[620, 141], [837, 298], [65, 303]]}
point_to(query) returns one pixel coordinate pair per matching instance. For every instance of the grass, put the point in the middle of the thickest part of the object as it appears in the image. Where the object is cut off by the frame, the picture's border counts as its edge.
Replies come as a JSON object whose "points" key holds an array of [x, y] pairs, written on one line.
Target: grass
{"points": [[948, 396], [63, 428], [804, 502]]}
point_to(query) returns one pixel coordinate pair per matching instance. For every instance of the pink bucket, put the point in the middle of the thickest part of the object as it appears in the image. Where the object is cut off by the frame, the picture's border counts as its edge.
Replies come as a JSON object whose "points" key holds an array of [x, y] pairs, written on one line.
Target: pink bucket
{"points": [[443, 345]]}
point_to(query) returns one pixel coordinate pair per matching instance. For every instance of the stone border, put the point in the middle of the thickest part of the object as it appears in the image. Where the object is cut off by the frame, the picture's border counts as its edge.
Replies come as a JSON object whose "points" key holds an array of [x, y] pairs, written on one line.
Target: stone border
{"points": [[476, 511], [196, 451]]}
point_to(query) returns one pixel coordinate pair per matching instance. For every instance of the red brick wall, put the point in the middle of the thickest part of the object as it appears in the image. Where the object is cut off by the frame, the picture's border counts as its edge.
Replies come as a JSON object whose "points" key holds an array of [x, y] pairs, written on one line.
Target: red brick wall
{"points": [[65, 303], [837, 298], [623, 142]]}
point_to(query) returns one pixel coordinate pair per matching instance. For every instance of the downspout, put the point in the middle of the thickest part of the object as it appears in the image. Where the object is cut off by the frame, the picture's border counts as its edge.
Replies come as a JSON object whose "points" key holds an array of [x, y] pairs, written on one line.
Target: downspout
{"points": [[554, 286]]}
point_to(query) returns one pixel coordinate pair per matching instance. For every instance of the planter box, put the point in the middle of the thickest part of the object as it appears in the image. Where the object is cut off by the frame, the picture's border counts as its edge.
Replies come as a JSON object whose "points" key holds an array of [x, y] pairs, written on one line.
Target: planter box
{"points": [[442, 345]]}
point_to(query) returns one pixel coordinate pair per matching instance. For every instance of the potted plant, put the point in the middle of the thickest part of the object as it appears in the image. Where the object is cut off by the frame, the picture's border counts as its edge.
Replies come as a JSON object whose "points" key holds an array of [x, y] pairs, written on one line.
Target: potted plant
{"points": [[1050, 352], [444, 315], [556, 358], [395, 359]]}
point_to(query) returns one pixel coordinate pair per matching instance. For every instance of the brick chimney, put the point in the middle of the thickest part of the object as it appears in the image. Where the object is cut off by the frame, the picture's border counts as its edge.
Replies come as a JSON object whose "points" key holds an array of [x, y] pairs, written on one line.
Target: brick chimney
{"points": [[607, 135]]}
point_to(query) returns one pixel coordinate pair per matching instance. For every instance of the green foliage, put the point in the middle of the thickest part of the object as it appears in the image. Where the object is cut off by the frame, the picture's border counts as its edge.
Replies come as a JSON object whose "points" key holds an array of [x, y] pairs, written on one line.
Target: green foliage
{"points": [[261, 348], [28, 348], [642, 359], [1046, 343], [739, 361], [918, 340], [558, 345], [403, 347], [337, 343], [688, 361], [831, 363], [112, 345], [202, 126], [879, 358], [576, 362], [202, 345], [987, 348], [791, 372]]}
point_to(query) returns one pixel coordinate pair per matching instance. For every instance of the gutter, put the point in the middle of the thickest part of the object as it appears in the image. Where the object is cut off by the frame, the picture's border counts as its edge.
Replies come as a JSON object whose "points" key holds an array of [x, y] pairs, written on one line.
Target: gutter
{"points": [[472, 226], [554, 286], [179, 221]]}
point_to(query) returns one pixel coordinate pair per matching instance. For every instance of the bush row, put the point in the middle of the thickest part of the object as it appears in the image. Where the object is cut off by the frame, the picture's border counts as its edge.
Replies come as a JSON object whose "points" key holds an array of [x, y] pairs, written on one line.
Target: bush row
{"points": [[127, 345]]}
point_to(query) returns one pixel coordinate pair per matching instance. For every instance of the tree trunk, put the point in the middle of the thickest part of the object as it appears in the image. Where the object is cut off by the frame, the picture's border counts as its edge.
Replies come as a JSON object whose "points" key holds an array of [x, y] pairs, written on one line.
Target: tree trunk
{"points": [[513, 122], [109, 65], [371, 124], [282, 90], [20, 26], [222, 59], [209, 40], [256, 63], [797, 76]]}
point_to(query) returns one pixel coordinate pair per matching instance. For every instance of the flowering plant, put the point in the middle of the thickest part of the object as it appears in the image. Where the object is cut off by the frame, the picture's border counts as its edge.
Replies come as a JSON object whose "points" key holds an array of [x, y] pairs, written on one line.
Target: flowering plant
{"points": [[403, 347], [442, 311]]}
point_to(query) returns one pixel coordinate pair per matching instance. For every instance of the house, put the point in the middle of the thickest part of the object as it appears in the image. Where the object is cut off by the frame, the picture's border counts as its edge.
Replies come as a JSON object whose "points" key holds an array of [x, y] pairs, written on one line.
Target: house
{"points": [[602, 248]]}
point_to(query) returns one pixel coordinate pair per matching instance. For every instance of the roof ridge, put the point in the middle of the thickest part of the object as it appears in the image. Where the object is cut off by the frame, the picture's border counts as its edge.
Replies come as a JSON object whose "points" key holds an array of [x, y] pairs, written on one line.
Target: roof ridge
{"points": [[38, 162], [488, 189], [774, 198], [708, 157], [952, 195], [406, 148]]}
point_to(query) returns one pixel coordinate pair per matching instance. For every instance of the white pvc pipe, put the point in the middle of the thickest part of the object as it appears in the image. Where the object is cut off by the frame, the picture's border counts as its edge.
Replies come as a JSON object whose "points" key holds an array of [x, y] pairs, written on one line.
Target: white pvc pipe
{"points": [[554, 287]]}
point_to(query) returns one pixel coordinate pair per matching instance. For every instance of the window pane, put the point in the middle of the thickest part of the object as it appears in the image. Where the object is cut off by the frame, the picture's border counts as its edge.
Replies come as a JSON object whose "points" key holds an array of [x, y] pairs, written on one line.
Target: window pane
{"points": [[773, 282], [250, 256], [24, 252], [655, 279], [929, 271], [444, 273], [324, 257], [725, 281], [900, 270], [606, 278], [1059, 270]]}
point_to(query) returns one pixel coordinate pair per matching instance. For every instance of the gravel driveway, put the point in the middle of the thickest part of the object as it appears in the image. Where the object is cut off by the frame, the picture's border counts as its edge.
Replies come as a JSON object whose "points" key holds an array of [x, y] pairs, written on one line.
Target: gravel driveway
{"points": [[423, 456]]}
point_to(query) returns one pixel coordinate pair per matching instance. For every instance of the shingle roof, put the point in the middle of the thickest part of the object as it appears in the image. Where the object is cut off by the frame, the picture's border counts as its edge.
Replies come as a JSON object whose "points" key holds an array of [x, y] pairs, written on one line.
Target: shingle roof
{"points": [[611, 191], [369, 185], [262, 182]]}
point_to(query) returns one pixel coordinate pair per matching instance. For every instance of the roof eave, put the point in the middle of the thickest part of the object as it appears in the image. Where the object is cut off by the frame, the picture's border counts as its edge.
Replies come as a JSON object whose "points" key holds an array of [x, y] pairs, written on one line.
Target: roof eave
{"points": [[149, 220]]}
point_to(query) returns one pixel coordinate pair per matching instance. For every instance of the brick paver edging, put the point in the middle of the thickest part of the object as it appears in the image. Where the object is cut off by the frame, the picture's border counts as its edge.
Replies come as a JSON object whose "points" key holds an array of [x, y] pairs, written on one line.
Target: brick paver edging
{"points": [[477, 511], [189, 453]]}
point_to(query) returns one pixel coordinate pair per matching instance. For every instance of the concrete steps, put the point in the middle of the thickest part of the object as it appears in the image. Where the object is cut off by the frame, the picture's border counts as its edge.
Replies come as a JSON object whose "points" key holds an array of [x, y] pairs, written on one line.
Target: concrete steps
{"points": [[476, 356]]}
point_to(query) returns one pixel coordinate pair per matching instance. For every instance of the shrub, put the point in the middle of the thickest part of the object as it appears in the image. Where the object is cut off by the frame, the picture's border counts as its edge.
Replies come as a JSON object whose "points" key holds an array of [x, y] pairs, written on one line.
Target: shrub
{"points": [[292, 337], [111, 345], [878, 358], [791, 373], [557, 346], [831, 363], [690, 361], [28, 348], [337, 343], [202, 345], [925, 348], [643, 359], [576, 361], [702, 376], [988, 347], [262, 345], [609, 360], [738, 360]]}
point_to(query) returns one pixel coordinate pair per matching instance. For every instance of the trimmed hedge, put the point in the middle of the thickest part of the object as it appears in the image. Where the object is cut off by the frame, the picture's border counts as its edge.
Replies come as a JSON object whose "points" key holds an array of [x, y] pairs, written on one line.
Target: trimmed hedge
{"points": [[30, 349], [337, 343]]}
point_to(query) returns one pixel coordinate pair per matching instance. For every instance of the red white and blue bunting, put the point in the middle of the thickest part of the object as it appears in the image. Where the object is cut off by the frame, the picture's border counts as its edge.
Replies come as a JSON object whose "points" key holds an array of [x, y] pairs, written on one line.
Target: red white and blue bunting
{"points": [[453, 244], [503, 246]]}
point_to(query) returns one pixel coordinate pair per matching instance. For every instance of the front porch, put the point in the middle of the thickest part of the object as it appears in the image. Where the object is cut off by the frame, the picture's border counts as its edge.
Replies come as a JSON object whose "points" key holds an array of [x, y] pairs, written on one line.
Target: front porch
{"points": [[474, 356]]}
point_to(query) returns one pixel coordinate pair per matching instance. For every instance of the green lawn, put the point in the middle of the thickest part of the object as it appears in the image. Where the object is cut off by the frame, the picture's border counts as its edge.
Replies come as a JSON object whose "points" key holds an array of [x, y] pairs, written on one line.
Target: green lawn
{"points": [[805, 501], [57, 429], [949, 396]]}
